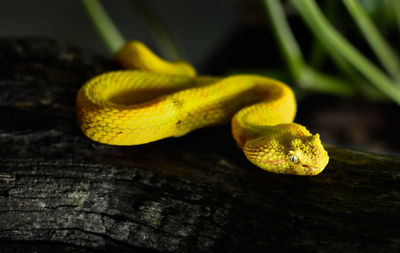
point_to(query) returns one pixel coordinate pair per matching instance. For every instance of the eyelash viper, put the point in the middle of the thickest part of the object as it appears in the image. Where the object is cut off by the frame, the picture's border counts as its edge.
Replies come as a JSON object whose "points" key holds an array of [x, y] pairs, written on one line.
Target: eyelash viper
{"points": [[157, 99]]}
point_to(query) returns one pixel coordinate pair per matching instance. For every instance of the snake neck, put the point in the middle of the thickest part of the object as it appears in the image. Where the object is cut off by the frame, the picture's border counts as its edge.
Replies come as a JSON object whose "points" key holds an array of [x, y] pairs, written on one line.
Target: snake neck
{"points": [[277, 107]]}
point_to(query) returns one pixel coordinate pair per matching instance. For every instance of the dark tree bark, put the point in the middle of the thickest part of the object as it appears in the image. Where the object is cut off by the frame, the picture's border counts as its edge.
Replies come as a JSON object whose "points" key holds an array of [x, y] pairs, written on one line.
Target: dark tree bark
{"points": [[59, 191]]}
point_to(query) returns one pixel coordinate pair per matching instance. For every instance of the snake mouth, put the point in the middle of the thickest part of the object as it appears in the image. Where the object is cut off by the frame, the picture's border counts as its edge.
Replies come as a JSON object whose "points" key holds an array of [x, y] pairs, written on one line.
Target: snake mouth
{"points": [[310, 169]]}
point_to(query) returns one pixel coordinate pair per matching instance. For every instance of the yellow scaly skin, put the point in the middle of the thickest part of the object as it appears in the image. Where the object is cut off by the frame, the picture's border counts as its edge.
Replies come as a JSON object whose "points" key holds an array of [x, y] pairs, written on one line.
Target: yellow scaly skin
{"points": [[160, 99]]}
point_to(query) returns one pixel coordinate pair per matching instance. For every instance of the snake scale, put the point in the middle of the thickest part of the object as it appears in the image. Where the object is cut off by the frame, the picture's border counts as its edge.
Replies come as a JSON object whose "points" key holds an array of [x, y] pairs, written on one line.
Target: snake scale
{"points": [[156, 99]]}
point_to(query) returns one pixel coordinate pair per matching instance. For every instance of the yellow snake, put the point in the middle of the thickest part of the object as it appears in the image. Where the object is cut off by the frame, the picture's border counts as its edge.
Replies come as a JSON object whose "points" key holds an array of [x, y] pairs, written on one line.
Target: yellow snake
{"points": [[157, 99]]}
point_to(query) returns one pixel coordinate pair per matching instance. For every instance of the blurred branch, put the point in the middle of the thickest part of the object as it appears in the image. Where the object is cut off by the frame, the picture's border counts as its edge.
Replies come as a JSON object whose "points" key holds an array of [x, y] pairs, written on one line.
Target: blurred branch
{"points": [[396, 6], [316, 21], [304, 75], [320, 48], [163, 39], [382, 50], [104, 25], [317, 53], [313, 79], [287, 42]]}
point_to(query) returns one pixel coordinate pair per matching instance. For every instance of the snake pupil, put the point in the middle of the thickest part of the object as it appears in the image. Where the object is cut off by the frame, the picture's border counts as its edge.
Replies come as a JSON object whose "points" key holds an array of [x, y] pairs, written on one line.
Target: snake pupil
{"points": [[293, 159]]}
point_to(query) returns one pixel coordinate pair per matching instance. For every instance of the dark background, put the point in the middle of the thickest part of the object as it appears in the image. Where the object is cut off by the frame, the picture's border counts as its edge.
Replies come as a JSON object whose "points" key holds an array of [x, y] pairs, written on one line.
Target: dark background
{"points": [[198, 27]]}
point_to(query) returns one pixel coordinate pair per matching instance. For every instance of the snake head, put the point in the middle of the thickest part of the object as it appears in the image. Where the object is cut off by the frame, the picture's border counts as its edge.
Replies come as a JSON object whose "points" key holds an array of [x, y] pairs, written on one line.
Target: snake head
{"points": [[290, 149], [306, 156]]}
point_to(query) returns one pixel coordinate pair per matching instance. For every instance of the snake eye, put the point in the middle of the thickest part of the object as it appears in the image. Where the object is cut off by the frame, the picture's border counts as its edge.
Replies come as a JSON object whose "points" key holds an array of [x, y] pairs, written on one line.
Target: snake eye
{"points": [[293, 159]]}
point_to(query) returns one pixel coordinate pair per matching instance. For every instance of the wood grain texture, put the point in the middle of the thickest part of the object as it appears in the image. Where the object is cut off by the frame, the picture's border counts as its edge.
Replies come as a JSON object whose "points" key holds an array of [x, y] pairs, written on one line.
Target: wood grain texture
{"points": [[61, 192]]}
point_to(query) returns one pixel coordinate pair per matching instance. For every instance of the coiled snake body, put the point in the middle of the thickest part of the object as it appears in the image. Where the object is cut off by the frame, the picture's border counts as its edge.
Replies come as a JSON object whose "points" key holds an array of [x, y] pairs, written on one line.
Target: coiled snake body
{"points": [[159, 99]]}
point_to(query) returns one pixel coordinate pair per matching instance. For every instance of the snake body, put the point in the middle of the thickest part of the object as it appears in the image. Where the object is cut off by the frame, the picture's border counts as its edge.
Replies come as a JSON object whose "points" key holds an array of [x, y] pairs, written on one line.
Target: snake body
{"points": [[157, 99]]}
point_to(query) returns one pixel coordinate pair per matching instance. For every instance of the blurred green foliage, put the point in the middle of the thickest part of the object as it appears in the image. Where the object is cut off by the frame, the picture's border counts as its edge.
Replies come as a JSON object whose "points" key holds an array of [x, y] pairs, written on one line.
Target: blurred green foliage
{"points": [[372, 70]]}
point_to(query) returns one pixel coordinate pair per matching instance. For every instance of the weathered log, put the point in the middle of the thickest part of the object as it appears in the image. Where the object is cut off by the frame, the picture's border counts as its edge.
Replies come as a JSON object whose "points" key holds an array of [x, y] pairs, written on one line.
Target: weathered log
{"points": [[60, 191]]}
